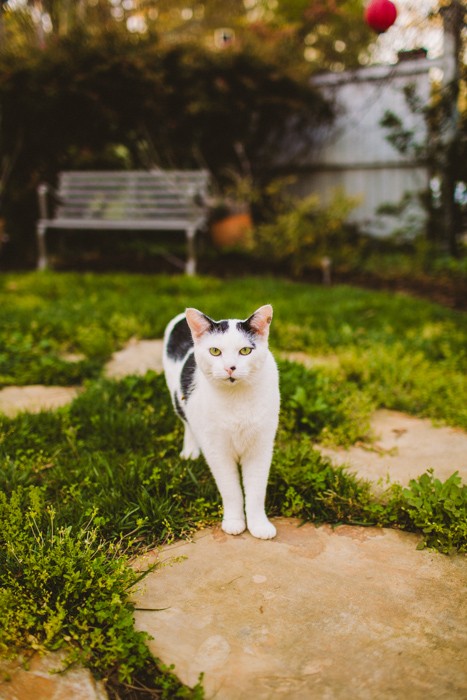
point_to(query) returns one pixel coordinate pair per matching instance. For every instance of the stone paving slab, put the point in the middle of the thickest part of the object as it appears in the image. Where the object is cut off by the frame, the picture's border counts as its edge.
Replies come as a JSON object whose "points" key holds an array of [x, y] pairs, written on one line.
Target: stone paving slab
{"points": [[405, 447], [137, 357], [319, 613], [41, 680], [35, 398]]}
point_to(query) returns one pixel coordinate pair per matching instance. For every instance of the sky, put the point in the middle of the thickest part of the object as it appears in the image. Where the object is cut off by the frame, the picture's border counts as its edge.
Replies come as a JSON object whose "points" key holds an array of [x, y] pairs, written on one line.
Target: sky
{"points": [[411, 30]]}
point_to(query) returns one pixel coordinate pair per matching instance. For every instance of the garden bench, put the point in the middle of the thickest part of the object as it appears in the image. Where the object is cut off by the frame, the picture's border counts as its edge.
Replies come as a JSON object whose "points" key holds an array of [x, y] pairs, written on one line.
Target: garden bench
{"points": [[126, 201]]}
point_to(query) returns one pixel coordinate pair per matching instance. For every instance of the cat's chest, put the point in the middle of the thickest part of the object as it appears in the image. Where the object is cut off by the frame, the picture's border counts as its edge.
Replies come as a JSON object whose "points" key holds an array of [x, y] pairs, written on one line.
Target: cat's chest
{"points": [[237, 410], [237, 407], [237, 424]]}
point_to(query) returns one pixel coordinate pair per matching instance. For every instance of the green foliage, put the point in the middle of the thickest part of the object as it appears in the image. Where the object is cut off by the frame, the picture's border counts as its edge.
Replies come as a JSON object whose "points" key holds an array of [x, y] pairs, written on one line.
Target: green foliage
{"points": [[63, 586], [409, 381], [113, 457], [333, 34], [388, 350], [439, 510], [306, 232], [320, 404], [47, 366], [47, 318], [305, 485], [283, 29]]}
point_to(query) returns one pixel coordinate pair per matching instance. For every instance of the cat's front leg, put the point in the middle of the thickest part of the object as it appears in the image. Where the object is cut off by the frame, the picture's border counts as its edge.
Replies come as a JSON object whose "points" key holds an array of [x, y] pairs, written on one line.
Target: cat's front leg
{"points": [[225, 472], [255, 478], [190, 446]]}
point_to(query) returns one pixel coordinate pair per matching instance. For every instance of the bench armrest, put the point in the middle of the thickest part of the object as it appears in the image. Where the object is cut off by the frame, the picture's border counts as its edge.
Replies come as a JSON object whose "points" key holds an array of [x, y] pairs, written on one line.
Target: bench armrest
{"points": [[42, 192], [45, 194]]}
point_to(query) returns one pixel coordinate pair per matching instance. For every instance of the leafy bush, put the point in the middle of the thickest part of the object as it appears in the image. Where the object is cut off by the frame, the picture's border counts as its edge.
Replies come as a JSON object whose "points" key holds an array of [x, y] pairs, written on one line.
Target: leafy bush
{"points": [[59, 584], [307, 232], [439, 510], [65, 588]]}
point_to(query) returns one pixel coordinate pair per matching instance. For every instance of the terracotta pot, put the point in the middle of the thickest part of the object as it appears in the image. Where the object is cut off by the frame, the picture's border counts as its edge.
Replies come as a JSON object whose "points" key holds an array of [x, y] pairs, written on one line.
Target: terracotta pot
{"points": [[232, 230]]}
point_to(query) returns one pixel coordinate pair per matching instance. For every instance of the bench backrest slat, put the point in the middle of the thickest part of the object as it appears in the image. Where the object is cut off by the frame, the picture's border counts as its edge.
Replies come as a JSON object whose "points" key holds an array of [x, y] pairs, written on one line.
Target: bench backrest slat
{"points": [[130, 195]]}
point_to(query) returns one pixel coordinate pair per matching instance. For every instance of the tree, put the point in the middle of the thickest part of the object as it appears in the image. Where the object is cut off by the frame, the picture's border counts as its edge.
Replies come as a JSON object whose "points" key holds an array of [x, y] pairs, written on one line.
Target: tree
{"points": [[106, 101], [321, 35], [445, 149], [302, 34], [450, 132]]}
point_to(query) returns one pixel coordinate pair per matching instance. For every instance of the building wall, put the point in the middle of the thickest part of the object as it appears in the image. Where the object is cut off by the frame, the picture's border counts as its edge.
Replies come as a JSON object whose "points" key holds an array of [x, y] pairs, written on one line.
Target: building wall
{"points": [[354, 154]]}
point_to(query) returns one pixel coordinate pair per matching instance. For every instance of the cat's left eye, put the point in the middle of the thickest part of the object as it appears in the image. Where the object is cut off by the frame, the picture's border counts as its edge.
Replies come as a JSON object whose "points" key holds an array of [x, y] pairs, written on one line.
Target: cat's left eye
{"points": [[245, 351], [215, 351]]}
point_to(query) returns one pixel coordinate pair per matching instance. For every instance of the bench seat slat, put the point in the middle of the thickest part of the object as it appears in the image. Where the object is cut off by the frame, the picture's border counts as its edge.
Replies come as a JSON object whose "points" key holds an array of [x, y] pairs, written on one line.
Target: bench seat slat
{"points": [[101, 203], [177, 188], [117, 212], [112, 213]]}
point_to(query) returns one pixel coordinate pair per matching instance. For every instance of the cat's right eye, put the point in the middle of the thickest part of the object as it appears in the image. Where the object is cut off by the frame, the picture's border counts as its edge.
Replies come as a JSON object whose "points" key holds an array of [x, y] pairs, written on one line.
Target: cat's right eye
{"points": [[215, 351]]}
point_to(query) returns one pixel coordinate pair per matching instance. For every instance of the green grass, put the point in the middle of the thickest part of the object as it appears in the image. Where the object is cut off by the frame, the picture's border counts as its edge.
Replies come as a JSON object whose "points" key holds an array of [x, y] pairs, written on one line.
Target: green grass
{"points": [[85, 487], [403, 353]]}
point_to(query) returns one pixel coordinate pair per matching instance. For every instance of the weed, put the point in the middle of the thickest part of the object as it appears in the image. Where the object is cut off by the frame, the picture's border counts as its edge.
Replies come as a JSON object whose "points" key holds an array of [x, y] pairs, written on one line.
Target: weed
{"points": [[439, 510], [320, 403], [62, 586], [65, 588]]}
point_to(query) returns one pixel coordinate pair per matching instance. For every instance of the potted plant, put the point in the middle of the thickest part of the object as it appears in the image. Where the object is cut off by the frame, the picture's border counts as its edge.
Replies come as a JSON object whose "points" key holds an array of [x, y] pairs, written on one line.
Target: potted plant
{"points": [[230, 220]]}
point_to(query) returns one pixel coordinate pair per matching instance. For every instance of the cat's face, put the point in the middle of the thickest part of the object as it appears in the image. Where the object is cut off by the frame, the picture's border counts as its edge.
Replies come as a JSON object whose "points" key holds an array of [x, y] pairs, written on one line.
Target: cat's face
{"points": [[231, 351]]}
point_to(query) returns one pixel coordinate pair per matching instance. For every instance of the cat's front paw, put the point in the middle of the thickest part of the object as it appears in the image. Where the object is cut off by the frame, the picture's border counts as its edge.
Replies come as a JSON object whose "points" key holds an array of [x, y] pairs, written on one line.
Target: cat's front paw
{"points": [[190, 453], [234, 526], [263, 529]]}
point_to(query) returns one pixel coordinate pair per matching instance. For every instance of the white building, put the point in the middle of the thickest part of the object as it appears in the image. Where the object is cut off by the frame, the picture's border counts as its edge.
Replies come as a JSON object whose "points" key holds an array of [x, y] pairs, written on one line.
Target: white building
{"points": [[354, 154]]}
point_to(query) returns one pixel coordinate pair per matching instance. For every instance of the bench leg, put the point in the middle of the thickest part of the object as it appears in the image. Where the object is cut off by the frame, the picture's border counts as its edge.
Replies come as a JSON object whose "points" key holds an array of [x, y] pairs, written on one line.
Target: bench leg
{"points": [[190, 265], [42, 262]]}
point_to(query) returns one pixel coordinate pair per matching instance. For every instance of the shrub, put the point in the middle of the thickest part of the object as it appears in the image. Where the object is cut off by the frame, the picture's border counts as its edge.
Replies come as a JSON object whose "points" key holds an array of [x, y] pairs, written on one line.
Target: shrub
{"points": [[307, 232], [439, 510], [62, 587]]}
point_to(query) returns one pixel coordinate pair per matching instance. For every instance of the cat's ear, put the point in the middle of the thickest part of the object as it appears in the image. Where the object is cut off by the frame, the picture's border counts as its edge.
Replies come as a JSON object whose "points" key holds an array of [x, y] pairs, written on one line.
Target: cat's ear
{"points": [[198, 322], [260, 321]]}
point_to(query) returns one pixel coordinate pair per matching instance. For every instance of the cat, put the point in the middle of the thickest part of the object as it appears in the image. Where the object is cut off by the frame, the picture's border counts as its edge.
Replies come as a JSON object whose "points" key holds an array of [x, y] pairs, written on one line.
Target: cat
{"points": [[224, 385]]}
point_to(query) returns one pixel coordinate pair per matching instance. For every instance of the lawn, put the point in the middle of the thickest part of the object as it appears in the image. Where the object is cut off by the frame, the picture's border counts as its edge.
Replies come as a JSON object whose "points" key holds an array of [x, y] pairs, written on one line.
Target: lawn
{"points": [[85, 487]]}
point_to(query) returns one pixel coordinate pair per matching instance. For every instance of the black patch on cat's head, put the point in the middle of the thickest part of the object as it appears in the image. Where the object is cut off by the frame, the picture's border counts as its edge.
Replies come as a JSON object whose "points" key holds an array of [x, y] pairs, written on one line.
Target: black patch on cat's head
{"points": [[180, 340], [246, 328], [217, 326], [187, 377]]}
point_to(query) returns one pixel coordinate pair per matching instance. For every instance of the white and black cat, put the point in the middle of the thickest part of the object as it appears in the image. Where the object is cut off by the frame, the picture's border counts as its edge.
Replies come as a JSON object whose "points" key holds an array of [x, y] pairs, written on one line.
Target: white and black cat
{"points": [[224, 385]]}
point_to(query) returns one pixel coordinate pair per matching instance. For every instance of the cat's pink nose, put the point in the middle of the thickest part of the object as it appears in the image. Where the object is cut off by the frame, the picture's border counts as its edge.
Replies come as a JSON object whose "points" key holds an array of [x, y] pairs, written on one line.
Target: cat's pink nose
{"points": [[229, 370]]}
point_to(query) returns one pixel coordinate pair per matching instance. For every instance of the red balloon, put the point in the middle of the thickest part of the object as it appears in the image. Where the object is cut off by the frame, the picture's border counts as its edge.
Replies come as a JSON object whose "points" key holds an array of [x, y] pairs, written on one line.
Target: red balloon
{"points": [[380, 15]]}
